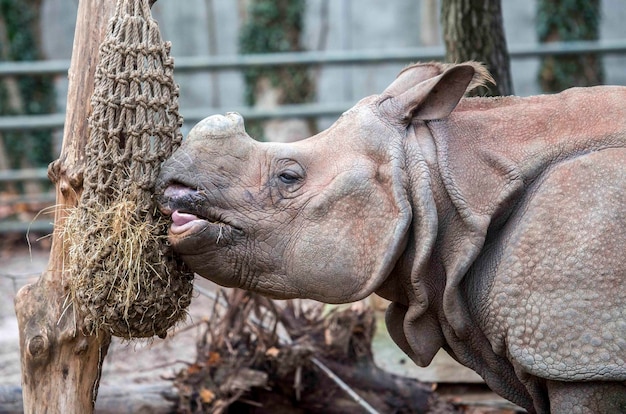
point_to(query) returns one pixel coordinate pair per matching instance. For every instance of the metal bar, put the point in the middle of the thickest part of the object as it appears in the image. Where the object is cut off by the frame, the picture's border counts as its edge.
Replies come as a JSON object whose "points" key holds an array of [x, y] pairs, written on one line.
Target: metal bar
{"points": [[353, 394], [40, 198], [312, 110], [376, 56], [34, 67], [31, 122], [238, 62], [601, 47], [328, 58], [26, 174], [15, 226]]}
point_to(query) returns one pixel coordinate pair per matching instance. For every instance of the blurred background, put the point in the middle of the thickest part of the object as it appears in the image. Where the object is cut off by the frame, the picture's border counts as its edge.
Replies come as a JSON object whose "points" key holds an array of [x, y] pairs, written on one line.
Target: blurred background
{"points": [[339, 52]]}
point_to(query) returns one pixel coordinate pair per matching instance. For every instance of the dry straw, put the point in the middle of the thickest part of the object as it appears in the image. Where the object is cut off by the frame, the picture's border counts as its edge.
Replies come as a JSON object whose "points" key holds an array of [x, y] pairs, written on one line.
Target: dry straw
{"points": [[123, 277]]}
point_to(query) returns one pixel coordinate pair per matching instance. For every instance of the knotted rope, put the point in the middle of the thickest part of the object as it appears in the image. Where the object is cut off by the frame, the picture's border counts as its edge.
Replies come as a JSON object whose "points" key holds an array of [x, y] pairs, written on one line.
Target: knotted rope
{"points": [[123, 278]]}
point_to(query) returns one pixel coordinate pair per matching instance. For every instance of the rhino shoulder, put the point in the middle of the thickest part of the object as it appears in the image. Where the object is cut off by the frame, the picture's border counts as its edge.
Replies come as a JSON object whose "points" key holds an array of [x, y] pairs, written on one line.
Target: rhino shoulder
{"points": [[556, 301]]}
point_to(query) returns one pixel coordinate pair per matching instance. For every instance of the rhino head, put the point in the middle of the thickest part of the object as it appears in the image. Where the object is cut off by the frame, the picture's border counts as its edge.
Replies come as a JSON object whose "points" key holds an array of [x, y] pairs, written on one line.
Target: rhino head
{"points": [[325, 218]]}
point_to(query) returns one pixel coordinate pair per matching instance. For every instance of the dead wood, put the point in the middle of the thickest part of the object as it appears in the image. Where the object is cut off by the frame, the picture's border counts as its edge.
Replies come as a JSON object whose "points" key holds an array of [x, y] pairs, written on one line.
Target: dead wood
{"points": [[260, 356]]}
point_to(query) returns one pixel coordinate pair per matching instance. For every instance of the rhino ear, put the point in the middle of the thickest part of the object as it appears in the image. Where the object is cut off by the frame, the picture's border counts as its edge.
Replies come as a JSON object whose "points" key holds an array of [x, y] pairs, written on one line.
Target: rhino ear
{"points": [[411, 76], [433, 98]]}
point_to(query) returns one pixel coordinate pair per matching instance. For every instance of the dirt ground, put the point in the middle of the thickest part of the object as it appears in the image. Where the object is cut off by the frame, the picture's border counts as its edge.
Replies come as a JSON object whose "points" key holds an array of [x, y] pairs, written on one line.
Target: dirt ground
{"points": [[156, 361], [138, 362], [144, 361]]}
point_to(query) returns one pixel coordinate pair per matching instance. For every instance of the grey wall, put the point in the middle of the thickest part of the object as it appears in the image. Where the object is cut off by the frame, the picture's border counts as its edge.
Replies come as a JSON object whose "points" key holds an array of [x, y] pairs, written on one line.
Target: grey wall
{"points": [[201, 27]]}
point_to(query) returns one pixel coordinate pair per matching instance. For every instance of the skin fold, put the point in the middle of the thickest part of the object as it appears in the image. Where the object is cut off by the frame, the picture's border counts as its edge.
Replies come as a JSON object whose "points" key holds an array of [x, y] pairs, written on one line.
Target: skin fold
{"points": [[495, 226]]}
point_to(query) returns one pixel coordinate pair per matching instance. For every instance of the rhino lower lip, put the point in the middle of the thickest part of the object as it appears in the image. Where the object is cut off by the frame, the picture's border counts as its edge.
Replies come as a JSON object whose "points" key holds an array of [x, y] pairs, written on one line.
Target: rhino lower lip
{"points": [[183, 222], [184, 206]]}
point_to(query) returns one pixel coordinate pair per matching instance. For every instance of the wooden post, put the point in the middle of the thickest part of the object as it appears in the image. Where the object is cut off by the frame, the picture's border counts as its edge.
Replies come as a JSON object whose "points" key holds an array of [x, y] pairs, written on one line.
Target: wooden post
{"points": [[61, 366]]}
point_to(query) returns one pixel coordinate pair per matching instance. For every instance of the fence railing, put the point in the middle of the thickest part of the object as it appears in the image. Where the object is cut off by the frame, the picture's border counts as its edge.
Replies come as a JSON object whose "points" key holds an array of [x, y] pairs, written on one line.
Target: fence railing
{"points": [[344, 57], [241, 62]]}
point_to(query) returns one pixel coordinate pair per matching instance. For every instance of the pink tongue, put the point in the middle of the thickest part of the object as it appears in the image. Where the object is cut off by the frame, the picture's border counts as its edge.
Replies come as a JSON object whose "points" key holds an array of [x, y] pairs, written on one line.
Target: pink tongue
{"points": [[181, 219]]}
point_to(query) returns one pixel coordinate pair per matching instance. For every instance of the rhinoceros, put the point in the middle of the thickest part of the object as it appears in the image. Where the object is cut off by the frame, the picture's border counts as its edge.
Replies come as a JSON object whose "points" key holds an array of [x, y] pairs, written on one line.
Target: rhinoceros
{"points": [[495, 226]]}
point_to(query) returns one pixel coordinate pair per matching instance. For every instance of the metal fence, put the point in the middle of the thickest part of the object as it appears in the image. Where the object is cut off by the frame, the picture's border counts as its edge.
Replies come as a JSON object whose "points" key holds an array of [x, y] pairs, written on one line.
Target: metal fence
{"points": [[241, 62]]}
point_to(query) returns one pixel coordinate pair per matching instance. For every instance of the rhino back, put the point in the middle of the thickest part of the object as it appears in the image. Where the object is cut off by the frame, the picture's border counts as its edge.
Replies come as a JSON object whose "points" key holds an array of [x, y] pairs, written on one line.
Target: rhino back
{"points": [[491, 150]]}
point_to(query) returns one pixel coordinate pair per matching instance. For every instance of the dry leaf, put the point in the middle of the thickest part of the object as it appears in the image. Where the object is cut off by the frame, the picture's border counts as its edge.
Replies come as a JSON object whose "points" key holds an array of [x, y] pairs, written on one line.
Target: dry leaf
{"points": [[194, 369], [213, 359], [207, 396], [272, 352]]}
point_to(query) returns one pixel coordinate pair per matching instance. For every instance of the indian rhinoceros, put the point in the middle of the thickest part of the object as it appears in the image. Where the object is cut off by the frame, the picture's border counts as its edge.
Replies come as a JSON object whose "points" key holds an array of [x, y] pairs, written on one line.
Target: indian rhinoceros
{"points": [[495, 226]]}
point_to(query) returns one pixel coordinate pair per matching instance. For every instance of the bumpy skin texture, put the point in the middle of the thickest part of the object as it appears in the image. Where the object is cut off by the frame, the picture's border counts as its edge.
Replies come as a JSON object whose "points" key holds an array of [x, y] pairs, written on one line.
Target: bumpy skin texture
{"points": [[495, 226]]}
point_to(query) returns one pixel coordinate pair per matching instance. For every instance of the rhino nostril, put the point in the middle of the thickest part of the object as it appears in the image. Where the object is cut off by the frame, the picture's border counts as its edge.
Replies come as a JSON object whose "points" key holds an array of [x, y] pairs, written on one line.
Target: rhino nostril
{"points": [[174, 197]]}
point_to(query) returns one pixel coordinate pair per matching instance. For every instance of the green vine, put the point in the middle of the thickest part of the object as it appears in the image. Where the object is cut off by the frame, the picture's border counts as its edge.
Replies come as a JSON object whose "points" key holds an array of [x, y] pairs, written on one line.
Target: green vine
{"points": [[275, 26], [569, 20], [19, 21]]}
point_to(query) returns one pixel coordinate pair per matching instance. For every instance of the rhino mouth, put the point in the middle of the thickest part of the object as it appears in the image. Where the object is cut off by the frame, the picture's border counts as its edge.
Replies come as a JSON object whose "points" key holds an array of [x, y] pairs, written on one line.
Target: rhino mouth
{"points": [[183, 222], [190, 215]]}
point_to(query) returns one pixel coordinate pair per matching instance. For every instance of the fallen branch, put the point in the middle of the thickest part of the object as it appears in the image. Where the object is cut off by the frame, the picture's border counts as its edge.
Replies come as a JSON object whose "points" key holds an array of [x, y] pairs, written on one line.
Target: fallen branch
{"points": [[262, 356]]}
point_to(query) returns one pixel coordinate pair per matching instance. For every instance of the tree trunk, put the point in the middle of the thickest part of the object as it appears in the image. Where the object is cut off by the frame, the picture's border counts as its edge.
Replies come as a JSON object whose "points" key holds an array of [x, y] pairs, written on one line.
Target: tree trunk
{"points": [[473, 30], [60, 365], [569, 21]]}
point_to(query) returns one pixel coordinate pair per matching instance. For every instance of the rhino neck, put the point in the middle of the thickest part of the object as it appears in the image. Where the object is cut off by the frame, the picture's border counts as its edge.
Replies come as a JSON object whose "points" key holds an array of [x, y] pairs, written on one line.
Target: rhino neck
{"points": [[416, 284], [489, 152]]}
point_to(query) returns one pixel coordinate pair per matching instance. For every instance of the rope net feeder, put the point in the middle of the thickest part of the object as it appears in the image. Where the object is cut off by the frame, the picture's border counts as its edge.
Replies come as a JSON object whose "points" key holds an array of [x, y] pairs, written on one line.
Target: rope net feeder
{"points": [[123, 276]]}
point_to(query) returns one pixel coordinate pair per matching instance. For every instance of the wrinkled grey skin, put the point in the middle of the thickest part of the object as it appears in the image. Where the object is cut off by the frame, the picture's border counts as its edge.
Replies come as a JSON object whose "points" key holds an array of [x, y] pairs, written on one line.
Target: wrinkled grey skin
{"points": [[495, 226]]}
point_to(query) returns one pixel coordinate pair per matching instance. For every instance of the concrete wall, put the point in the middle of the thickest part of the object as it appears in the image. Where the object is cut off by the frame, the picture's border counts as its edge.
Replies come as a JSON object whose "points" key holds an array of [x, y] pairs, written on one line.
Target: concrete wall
{"points": [[202, 27]]}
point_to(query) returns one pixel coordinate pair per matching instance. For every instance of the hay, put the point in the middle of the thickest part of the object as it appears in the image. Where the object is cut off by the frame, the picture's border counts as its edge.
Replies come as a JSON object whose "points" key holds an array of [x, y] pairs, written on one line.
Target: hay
{"points": [[122, 276], [123, 279]]}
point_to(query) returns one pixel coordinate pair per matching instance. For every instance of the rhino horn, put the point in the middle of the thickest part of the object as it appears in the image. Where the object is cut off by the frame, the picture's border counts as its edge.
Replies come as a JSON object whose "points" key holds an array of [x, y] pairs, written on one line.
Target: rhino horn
{"points": [[218, 127]]}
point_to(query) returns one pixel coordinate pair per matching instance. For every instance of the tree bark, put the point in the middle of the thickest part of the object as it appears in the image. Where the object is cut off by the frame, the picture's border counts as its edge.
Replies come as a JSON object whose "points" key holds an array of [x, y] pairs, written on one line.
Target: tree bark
{"points": [[61, 366], [473, 30]]}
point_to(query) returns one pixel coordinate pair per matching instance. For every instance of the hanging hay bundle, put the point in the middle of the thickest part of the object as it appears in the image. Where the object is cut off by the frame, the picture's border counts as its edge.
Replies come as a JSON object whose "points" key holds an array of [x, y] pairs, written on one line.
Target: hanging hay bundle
{"points": [[123, 278]]}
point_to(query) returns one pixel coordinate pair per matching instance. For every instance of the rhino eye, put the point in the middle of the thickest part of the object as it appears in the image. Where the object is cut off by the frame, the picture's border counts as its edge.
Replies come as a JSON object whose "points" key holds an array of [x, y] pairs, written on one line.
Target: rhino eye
{"points": [[289, 177]]}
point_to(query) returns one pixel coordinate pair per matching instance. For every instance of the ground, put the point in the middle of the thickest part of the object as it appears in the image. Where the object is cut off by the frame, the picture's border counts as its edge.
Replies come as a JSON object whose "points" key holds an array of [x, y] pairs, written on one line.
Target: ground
{"points": [[156, 361], [137, 362]]}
